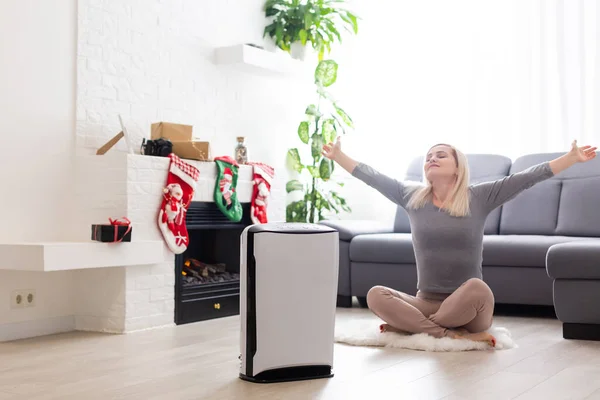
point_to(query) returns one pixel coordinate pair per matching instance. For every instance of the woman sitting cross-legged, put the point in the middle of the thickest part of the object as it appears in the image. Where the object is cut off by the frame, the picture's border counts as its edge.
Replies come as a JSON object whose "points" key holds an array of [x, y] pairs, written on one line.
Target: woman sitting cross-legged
{"points": [[447, 218]]}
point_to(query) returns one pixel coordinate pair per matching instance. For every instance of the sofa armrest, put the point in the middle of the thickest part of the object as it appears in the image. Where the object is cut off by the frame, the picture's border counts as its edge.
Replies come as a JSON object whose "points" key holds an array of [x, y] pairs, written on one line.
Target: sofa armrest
{"points": [[347, 229], [574, 260]]}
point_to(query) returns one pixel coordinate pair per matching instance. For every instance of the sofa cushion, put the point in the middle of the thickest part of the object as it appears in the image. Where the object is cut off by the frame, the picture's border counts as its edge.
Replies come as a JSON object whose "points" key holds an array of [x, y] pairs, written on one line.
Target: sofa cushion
{"points": [[482, 168], [579, 200], [562, 205], [533, 211], [576, 260], [395, 248], [520, 250]]}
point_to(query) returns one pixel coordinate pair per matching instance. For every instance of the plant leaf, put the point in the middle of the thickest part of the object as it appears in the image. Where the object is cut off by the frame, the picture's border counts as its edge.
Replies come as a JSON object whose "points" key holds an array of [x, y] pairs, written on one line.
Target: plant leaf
{"points": [[345, 117], [312, 110], [293, 185], [339, 124], [272, 3], [303, 35], [325, 169], [279, 35], [329, 204], [293, 158], [331, 27], [329, 35], [271, 12], [354, 21], [332, 205], [326, 72], [316, 146], [270, 29], [308, 21], [296, 211], [350, 19], [341, 201], [314, 171], [328, 131], [303, 132], [321, 202]]}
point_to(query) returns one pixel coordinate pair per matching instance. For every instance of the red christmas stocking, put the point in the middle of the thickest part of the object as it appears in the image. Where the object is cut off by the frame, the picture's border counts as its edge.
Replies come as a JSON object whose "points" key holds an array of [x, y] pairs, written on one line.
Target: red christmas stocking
{"points": [[177, 196], [262, 178]]}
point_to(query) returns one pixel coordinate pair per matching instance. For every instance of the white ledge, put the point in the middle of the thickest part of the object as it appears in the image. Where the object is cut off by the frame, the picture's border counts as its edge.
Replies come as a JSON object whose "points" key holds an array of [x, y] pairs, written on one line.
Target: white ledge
{"points": [[61, 256], [253, 59]]}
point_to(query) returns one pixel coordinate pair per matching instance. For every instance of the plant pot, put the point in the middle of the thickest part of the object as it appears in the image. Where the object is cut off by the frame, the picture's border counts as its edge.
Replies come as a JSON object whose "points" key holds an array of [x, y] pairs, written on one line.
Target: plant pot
{"points": [[298, 51], [269, 45]]}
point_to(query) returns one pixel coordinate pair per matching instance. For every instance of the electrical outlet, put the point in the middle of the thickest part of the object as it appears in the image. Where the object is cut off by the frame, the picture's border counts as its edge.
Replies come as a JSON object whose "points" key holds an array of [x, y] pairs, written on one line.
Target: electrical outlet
{"points": [[30, 298], [17, 299], [23, 298]]}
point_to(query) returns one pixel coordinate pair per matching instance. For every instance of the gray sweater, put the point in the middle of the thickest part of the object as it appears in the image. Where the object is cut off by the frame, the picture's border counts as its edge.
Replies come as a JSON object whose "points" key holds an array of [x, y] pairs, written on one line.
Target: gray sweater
{"points": [[449, 250]]}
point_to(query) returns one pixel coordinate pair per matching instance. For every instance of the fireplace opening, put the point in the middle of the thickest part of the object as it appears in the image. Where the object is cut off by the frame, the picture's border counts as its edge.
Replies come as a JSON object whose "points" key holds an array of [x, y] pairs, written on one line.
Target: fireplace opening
{"points": [[198, 273], [207, 274], [210, 258]]}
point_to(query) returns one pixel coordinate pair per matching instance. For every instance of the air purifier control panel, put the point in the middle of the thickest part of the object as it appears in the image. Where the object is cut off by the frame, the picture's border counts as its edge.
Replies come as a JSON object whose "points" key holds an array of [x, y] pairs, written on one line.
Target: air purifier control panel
{"points": [[290, 227]]}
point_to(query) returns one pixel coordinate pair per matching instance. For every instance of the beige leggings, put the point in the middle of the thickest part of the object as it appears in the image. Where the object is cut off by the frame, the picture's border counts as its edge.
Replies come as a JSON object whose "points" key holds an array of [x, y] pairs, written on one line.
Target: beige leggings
{"points": [[471, 307]]}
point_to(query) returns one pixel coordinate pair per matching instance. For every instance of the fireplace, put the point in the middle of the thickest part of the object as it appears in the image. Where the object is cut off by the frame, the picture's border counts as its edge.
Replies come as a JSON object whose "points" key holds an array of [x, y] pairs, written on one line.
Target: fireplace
{"points": [[207, 283]]}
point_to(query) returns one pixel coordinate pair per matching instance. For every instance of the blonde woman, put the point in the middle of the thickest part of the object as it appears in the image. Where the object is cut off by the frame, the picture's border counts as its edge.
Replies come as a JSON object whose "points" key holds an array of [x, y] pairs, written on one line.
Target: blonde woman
{"points": [[447, 217]]}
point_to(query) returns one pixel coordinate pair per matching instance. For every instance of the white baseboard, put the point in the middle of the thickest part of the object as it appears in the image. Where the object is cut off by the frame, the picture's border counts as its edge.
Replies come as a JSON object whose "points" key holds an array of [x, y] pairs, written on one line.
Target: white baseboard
{"points": [[40, 327]]}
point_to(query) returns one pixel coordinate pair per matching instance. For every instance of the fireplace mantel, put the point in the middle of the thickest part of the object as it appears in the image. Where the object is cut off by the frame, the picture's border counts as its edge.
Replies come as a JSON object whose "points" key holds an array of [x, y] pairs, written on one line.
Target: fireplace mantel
{"points": [[63, 256]]}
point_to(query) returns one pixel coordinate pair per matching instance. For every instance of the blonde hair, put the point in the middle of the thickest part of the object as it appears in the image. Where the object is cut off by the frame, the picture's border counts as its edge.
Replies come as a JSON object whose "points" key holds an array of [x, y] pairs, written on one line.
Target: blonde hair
{"points": [[457, 203]]}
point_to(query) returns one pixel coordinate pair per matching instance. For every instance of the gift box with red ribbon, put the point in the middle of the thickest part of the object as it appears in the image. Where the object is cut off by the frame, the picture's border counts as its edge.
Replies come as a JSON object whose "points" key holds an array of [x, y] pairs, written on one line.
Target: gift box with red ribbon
{"points": [[119, 230]]}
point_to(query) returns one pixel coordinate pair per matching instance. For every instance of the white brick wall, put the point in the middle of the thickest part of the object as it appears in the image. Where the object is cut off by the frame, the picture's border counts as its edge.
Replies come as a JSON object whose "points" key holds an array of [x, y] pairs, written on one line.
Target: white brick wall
{"points": [[100, 189], [100, 299], [150, 296]]}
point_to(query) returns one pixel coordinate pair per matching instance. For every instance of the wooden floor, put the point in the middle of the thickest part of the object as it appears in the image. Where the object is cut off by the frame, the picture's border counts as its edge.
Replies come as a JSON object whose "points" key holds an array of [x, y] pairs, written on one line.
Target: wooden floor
{"points": [[200, 361]]}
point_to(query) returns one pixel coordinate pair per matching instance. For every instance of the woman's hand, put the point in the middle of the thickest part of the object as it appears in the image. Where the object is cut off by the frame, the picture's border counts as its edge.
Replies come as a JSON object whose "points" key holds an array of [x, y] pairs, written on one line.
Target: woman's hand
{"points": [[331, 150], [576, 155], [582, 154], [334, 153]]}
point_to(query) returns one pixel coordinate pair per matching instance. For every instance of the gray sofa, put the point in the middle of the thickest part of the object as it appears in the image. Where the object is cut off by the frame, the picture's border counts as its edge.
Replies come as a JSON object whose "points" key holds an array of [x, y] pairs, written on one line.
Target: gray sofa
{"points": [[541, 248]]}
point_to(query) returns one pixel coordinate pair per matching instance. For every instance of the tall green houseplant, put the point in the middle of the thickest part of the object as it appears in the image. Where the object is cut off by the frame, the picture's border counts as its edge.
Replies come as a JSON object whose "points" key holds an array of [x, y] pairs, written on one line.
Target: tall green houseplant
{"points": [[322, 124]]}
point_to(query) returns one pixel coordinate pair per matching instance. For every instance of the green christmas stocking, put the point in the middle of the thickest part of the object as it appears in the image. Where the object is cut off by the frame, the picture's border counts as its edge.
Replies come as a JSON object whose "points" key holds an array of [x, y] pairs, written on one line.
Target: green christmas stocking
{"points": [[225, 188]]}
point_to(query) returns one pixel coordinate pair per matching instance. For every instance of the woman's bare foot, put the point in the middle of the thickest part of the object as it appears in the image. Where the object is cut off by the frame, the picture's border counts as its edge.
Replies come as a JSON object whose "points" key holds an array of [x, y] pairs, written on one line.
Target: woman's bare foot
{"points": [[461, 331], [389, 328], [476, 337]]}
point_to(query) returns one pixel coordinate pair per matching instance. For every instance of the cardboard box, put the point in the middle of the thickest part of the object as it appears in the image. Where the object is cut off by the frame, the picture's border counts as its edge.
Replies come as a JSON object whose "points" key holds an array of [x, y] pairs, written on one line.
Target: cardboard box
{"points": [[193, 150], [173, 132], [183, 144]]}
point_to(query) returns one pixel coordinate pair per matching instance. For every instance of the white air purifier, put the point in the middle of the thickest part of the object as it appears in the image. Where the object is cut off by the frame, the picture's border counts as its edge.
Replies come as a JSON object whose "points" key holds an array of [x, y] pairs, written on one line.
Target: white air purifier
{"points": [[288, 291]]}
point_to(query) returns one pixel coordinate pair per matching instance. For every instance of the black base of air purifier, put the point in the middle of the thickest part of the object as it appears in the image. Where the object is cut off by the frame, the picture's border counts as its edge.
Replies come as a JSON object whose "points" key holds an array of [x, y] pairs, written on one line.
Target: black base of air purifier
{"points": [[290, 374]]}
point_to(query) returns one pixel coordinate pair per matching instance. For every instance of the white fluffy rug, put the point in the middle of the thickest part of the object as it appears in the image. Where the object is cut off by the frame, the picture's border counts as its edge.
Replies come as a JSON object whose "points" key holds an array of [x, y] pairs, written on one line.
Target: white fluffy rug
{"points": [[365, 332]]}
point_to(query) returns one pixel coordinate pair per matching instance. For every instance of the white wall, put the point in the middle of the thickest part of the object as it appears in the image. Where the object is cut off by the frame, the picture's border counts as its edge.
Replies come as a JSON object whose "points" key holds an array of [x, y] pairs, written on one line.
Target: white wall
{"points": [[37, 112], [37, 108], [505, 77]]}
